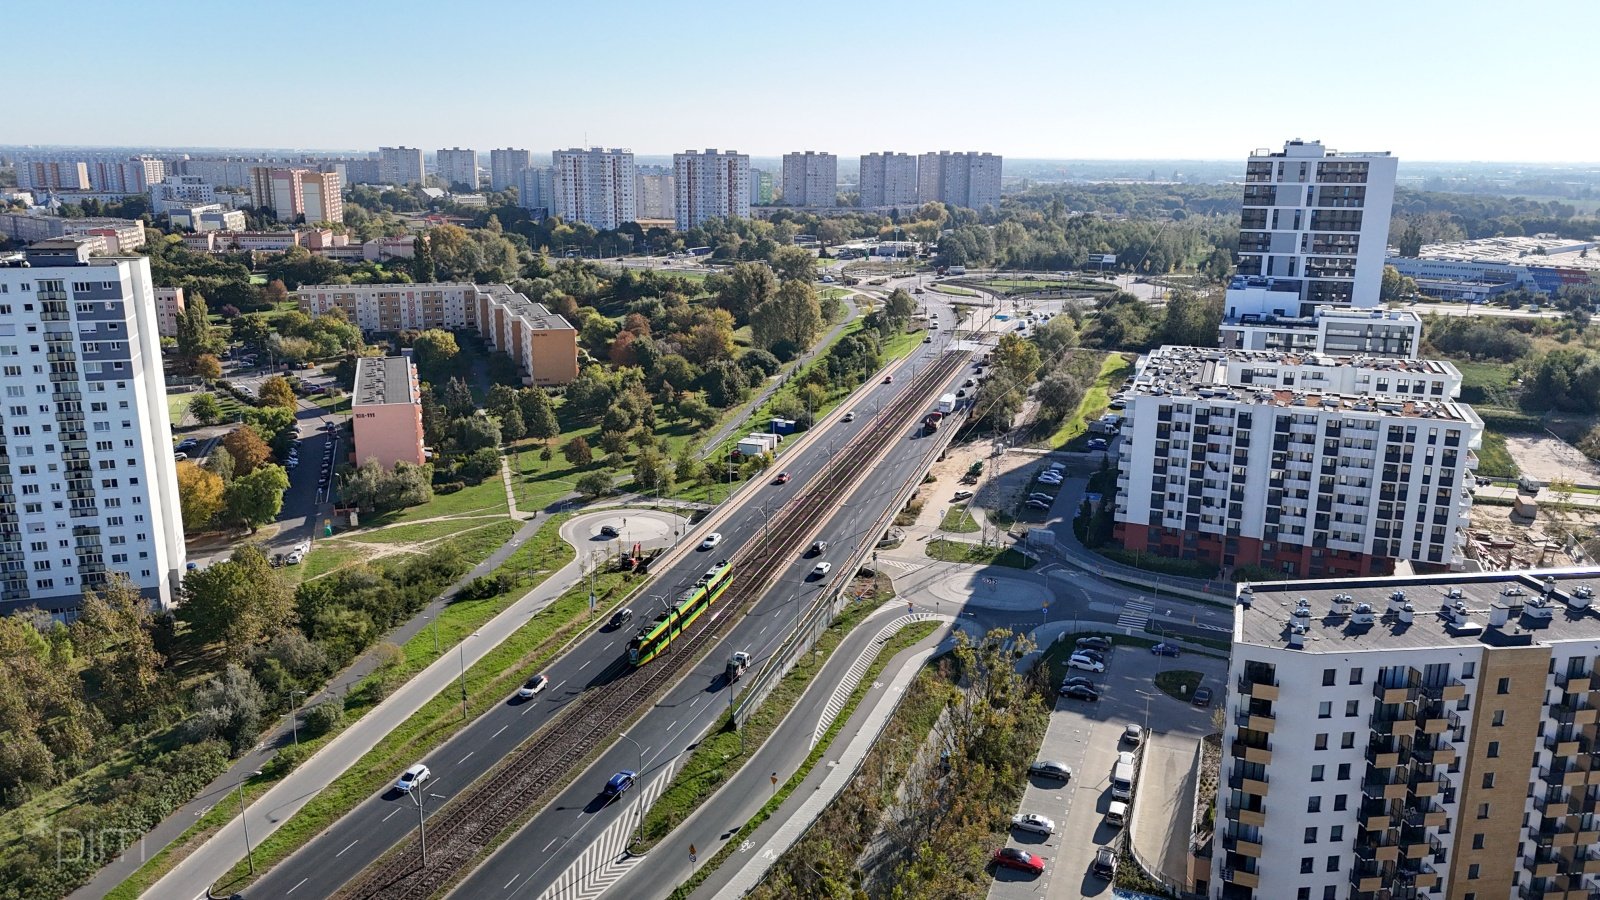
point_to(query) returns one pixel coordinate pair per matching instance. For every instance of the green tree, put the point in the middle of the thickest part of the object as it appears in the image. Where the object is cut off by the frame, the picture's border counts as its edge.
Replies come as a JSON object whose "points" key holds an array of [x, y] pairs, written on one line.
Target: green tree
{"points": [[475, 432], [577, 452], [899, 308], [743, 288], [206, 409], [538, 418], [1395, 286], [652, 472], [457, 400], [199, 496], [276, 391], [434, 349], [239, 602], [207, 367], [511, 425], [194, 328], [1191, 320], [247, 448], [256, 498], [595, 484], [227, 708], [793, 264], [790, 322], [115, 634], [220, 465]]}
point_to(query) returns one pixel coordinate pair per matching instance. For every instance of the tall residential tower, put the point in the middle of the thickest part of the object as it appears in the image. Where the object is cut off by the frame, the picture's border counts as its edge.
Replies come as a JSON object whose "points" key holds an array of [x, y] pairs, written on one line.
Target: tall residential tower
{"points": [[810, 179], [594, 186], [888, 179], [710, 185]]}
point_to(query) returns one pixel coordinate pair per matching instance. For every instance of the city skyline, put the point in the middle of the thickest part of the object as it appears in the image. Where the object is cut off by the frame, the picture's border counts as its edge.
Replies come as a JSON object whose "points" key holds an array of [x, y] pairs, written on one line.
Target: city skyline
{"points": [[1090, 82]]}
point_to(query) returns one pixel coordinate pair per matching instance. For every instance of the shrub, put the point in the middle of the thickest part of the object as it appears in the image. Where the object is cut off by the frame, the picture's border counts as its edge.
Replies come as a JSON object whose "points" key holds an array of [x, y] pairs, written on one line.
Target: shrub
{"points": [[449, 487], [324, 717]]}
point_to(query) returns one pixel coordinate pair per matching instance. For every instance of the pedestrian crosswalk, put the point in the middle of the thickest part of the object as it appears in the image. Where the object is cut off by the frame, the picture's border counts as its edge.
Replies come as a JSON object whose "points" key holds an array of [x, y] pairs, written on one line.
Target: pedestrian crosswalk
{"points": [[1135, 614], [901, 564], [852, 676]]}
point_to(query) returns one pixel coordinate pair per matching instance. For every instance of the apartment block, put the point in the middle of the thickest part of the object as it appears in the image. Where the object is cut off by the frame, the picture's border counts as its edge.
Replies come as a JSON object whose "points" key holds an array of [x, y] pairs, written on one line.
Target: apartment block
{"points": [[100, 172], [653, 192], [710, 185], [1416, 737], [1309, 465], [1339, 331], [169, 306], [594, 186], [1314, 230], [536, 192], [888, 179], [88, 486], [180, 190], [970, 180], [386, 411], [506, 167], [543, 344], [298, 195], [206, 217], [400, 165], [810, 179], [458, 166]]}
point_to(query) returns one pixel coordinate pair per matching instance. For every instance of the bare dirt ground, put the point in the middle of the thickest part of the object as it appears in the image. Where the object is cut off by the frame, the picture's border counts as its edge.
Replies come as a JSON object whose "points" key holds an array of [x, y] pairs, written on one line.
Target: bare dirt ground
{"points": [[1548, 459]]}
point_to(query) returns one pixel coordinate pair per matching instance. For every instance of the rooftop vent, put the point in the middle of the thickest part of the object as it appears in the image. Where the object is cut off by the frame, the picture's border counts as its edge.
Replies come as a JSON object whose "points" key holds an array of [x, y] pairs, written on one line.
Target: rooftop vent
{"points": [[1297, 636], [1362, 615]]}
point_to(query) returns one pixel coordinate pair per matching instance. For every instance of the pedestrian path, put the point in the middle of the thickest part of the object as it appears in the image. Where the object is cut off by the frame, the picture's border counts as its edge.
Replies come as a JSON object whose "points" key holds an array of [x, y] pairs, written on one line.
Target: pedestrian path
{"points": [[1135, 614], [852, 676]]}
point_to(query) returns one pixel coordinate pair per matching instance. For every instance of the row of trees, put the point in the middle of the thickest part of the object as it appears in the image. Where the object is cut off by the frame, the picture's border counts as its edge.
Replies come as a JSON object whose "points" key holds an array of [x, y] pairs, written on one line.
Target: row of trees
{"points": [[239, 485]]}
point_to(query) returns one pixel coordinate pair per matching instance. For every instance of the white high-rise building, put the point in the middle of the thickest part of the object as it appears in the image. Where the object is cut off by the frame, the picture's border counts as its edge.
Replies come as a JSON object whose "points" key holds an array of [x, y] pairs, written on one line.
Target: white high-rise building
{"points": [[653, 192], [971, 180], [100, 172], [400, 165], [91, 488], [710, 185], [180, 190], [458, 166], [594, 186], [1314, 231], [506, 167], [1422, 737], [888, 179], [536, 190], [810, 179], [1309, 465]]}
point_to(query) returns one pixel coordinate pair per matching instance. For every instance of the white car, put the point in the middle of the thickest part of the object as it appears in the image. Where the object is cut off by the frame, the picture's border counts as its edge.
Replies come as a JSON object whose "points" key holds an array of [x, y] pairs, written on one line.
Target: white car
{"points": [[822, 569], [294, 558], [850, 416], [1049, 478], [1133, 734], [1035, 823], [532, 686], [410, 778], [1085, 663], [712, 540]]}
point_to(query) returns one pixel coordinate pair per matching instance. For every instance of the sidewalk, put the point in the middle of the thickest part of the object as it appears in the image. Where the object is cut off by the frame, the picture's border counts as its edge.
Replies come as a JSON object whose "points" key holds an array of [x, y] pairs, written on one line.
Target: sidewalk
{"points": [[210, 861], [179, 821]]}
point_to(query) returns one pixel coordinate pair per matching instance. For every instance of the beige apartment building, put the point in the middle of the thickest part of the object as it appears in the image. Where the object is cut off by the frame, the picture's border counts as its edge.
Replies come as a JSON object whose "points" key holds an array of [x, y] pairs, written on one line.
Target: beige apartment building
{"points": [[387, 411]]}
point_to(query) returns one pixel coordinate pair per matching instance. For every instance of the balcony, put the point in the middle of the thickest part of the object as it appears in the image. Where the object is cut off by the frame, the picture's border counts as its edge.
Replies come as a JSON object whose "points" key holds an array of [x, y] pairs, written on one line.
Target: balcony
{"points": [[1544, 863], [1242, 846], [1252, 751], [1581, 682], [1394, 695], [1424, 813], [1257, 787], [1449, 692], [1437, 721], [1571, 714], [1259, 690], [1266, 722], [1241, 877]]}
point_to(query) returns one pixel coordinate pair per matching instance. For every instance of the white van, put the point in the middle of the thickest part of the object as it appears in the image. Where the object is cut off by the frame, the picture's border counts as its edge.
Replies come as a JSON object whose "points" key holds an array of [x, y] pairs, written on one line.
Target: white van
{"points": [[1122, 778], [1117, 814]]}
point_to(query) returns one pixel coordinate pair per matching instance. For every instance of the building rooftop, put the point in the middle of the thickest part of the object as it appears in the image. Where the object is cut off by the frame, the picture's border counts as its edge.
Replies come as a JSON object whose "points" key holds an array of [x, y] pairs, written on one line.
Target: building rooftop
{"points": [[1498, 609], [385, 379], [1349, 313], [1539, 250]]}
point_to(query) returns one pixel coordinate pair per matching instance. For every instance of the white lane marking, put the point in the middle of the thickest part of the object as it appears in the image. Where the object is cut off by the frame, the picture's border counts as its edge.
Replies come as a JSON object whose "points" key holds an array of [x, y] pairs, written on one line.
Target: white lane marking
{"points": [[497, 733], [549, 845], [585, 664], [390, 815], [511, 882], [351, 844], [297, 885], [467, 757], [673, 725], [559, 684]]}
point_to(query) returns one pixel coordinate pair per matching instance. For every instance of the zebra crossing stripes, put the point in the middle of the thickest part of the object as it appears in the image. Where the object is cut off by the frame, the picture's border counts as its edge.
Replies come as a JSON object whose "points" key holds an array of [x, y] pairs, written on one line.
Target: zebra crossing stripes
{"points": [[606, 859], [852, 676], [1135, 613], [901, 564]]}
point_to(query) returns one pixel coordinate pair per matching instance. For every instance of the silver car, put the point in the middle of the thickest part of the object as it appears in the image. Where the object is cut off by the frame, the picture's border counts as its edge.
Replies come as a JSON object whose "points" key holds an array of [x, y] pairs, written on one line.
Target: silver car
{"points": [[1035, 823]]}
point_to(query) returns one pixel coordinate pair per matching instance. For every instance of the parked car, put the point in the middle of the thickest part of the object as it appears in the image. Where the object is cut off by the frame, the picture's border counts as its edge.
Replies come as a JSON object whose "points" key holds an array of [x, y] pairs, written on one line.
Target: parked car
{"points": [[1133, 734], [1041, 495], [1105, 863], [962, 495], [1097, 443], [1095, 655], [1202, 697], [179, 456], [533, 686], [294, 558], [821, 569], [1079, 692], [1165, 649], [1078, 679], [1052, 480], [1021, 860], [1049, 768], [1035, 823], [1094, 642], [188, 444], [711, 541], [1085, 663], [619, 784], [412, 777], [1037, 504]]}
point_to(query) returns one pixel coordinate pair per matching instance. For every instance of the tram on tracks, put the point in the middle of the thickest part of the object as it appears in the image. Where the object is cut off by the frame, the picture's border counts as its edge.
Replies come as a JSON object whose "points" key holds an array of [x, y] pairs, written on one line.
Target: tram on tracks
{"points": [[654, 638]]}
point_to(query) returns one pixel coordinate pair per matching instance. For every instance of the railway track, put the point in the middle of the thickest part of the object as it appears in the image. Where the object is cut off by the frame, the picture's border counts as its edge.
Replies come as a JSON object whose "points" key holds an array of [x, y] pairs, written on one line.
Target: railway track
{"points": [[475, 819]]}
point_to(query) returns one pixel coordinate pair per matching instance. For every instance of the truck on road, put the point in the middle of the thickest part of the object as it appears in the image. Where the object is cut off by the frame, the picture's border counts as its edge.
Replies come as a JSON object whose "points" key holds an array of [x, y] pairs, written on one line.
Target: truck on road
{"points": [[930, 422], [737, 663], [947, 404]]}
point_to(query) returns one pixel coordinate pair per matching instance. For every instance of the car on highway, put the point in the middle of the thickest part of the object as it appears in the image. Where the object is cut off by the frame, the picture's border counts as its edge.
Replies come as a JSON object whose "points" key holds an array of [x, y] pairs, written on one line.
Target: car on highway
{"points": [[850, 416], [1105, 863], [412, 777], [1085, 663], [888, 379], [620, 618], [1133, 734], [1165, 649], [1021, 860], [533, 686], [961, 393], [1202, 697], [962, 495], [619, 784], [821, 569], [928, 339], [1079, 692], [1049, 768], [818, 548], [783, 478], [711, 541], [1093, 642], [609, 531], [1035, 823], [968, 383], [1037, 504]]}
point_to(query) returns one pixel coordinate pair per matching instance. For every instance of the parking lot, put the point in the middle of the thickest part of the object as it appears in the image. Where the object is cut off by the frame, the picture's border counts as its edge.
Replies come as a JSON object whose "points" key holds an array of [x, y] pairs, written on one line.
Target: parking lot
{"points": [[1087, 736]]}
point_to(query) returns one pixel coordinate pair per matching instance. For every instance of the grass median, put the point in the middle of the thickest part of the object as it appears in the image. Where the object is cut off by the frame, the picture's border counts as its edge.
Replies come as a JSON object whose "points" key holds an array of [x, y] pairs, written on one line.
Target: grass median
{"points": [[977, 554]]}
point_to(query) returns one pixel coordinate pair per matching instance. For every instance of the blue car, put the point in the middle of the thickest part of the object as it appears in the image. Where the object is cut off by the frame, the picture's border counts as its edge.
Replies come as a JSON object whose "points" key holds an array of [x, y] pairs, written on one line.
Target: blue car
{"points": [[1164, 649], [619, 783]]}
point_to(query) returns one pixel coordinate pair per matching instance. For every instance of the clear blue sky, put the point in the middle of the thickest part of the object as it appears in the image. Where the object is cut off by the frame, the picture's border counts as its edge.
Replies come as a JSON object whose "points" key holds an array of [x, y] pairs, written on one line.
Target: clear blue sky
{"points": [[1064, 79]]}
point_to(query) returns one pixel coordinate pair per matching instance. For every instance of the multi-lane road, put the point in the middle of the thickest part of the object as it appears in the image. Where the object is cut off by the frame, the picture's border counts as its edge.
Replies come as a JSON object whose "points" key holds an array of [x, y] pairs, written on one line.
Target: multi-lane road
{"points": [[556, 837]]}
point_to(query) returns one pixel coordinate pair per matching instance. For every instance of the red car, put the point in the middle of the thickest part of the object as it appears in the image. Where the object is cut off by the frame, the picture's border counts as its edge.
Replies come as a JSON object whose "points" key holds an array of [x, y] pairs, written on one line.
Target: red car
{"points": [[783, 478], [1021, 860]]}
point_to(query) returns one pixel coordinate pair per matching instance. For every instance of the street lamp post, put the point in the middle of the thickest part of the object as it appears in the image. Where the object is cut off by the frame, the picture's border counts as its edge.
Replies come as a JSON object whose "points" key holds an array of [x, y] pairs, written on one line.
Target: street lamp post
{"points": [[1146, 695], [244, 823], [422, 823], [461, 655], [294, 717]]}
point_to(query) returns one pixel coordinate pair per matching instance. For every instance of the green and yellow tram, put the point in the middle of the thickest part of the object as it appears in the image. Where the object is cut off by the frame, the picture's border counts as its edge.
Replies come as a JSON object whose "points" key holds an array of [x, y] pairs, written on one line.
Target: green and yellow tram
{"points": [[653, 639]]}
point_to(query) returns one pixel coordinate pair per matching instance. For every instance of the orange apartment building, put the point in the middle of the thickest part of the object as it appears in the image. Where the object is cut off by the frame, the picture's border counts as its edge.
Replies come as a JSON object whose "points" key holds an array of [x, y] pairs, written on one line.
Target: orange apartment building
{"points": [[387, 411]]}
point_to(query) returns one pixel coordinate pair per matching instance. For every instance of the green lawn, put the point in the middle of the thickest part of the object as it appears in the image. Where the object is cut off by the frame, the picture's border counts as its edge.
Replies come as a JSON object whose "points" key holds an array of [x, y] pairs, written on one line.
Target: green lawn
{"points": [[488, 498], [325, 557], [1179, 684], [958, 520], [420, 532], [1494, 460], [1011, 286], [957, 551], [178, 407], [952, 289], [1113, 370]]}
